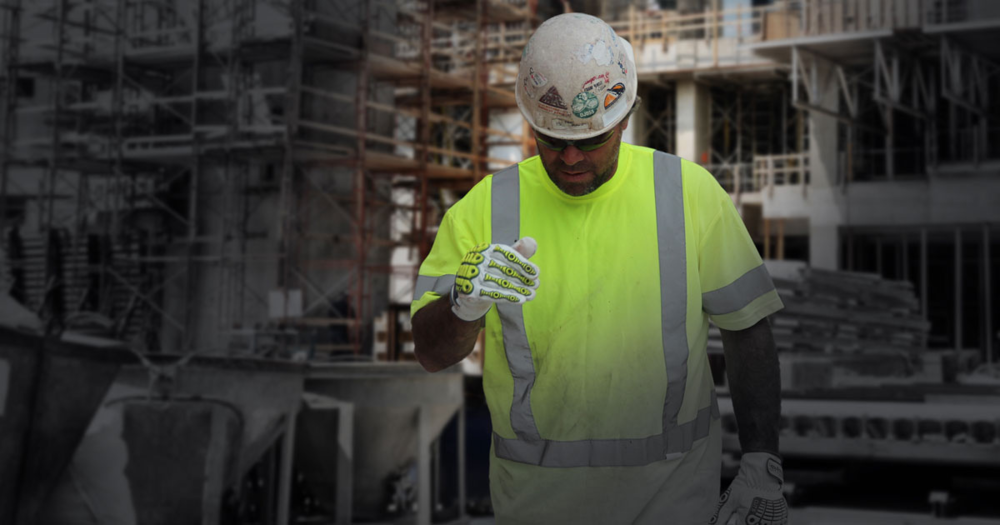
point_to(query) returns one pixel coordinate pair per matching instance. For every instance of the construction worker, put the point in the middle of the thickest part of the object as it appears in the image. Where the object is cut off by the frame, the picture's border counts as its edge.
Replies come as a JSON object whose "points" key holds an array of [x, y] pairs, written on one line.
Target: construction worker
{"points": [[605, 262]]}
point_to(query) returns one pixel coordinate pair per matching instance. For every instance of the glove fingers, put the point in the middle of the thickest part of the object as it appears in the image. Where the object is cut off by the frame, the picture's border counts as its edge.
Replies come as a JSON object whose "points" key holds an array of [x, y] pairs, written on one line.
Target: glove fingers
{"points": [[509, 257], [502, 271], [490, 292], [504, 284]]}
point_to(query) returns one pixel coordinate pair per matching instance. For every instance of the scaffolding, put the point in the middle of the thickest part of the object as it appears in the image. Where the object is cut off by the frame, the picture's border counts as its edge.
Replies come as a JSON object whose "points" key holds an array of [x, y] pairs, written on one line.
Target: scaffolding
{"points": [[442, 72], [222, 176], [263, 174]]}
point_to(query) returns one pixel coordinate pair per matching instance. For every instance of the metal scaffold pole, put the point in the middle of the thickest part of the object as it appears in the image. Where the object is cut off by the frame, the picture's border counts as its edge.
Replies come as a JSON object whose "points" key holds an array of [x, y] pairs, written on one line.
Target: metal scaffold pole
{"points": [[426, 41], [479, 86], [360, 176], [286, 213], [190, 314], [119, 178], [482, 119], [234, 186], [8, 100], [47, 200], [49, 310]]}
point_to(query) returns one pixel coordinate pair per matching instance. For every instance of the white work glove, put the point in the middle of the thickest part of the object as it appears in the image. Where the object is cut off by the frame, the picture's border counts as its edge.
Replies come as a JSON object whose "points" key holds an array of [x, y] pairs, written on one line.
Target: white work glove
{"points": [[754, 497], [494, 273]]}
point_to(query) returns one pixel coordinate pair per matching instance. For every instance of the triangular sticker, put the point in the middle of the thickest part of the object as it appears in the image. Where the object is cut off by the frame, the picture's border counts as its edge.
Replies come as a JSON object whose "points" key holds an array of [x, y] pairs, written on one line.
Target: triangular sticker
{"points": [[552, 98]]}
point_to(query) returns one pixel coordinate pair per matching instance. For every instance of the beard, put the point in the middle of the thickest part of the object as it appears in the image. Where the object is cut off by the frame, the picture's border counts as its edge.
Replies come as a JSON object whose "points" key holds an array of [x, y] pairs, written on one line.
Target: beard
{"points": [[578, 189]]}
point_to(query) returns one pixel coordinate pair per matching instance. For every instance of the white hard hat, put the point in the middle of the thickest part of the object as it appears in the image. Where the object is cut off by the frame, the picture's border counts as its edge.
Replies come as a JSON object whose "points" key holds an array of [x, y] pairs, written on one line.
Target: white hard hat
{"points": [[576, 79]]}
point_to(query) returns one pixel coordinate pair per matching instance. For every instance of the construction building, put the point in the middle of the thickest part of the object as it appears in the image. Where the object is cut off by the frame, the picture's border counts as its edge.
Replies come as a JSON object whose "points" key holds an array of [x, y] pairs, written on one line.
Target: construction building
{"points": [[246, 179]]}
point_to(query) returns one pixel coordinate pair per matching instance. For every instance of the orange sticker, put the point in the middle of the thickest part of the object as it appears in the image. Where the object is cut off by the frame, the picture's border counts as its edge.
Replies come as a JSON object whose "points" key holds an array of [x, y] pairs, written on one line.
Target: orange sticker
{"points": [[613, 95]]}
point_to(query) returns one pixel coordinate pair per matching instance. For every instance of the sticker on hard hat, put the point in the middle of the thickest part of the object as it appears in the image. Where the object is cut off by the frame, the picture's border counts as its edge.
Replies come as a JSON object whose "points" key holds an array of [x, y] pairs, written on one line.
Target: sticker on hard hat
{"points": [[537, 78], [621, 63], [598, 52], [553, 102], [613, 95], [597, 83], [564, 125], [585, 105], [527, 88], [611, 33]]}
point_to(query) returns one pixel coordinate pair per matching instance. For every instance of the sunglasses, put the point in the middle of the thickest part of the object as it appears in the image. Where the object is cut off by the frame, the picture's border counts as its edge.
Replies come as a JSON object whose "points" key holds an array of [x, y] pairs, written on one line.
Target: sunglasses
{"points": [[588, 145]]}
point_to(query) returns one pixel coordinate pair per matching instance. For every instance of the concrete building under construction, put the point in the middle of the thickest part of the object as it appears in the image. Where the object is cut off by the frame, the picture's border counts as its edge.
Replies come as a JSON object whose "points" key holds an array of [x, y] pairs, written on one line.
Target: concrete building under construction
{"points": [[262, 178]]}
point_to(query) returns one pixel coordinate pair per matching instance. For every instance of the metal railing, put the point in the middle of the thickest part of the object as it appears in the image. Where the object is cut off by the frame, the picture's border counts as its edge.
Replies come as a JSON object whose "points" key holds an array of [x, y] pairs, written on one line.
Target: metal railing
{"points": [[824, 17], [766, 171], [788, 19], [647, 27], [780, 170]]}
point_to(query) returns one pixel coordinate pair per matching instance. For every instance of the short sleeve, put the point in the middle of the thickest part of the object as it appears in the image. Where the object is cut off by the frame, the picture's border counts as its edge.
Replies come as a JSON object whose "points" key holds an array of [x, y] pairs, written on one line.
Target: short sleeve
{"points": [[737, 290], [459, 232]]}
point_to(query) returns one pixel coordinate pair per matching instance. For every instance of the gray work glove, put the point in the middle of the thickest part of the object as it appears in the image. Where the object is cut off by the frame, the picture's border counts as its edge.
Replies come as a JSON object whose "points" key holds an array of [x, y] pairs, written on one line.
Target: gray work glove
{"points": [[494, 273], [754, 497]]}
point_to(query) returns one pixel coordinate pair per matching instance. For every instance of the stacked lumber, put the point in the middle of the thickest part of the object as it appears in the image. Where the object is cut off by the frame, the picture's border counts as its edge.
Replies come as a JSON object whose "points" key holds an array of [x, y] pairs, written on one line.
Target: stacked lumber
{"points": [[840, 328], [848, 313]]}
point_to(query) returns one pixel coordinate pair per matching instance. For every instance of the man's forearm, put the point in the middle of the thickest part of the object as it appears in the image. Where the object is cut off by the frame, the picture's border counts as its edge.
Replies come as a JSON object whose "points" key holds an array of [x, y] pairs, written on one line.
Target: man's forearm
{"points": [[440, 338], [755, 386]]}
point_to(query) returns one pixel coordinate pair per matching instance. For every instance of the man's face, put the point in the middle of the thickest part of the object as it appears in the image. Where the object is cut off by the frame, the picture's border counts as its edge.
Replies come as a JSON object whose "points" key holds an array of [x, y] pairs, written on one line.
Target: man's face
{"points": [[577, 172]]}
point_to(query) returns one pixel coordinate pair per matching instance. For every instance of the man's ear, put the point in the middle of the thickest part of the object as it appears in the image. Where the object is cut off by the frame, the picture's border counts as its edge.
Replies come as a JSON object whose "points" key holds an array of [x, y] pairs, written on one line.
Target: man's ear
{"points": [[624, 124]]}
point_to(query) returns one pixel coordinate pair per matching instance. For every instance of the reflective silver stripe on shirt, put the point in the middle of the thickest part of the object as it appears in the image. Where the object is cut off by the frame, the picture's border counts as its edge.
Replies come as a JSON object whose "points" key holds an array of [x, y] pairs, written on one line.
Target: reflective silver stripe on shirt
{"points": [[439, 285], [676, 438], [606, 452], [735, 296], [505, 205], [673, 290], [505, 226]]}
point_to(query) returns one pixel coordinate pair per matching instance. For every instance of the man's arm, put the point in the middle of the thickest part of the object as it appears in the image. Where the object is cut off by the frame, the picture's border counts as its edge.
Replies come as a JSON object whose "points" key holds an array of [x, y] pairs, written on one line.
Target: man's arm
{"points": [[755, 386], [440, 338]]}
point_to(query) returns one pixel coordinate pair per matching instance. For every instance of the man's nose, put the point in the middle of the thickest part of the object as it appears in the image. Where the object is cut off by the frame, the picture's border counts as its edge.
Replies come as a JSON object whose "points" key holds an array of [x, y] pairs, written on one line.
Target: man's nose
{"points": [[571, 155]]}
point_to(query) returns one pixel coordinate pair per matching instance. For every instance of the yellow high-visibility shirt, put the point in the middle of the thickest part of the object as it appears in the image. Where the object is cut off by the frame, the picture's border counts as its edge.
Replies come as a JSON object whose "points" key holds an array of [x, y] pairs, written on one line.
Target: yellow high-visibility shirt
{"points": [[596, 339]]}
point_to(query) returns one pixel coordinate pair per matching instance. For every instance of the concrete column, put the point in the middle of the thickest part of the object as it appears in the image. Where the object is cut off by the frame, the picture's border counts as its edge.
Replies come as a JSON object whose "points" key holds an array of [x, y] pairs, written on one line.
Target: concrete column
{"points": [[693, 120], [636, 131], [824, 245]]}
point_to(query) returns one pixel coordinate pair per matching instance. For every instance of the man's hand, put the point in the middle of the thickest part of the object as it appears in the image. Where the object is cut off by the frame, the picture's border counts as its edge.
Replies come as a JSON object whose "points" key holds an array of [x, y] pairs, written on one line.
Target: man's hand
{"points": [[494, 273], [754, 497]]}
